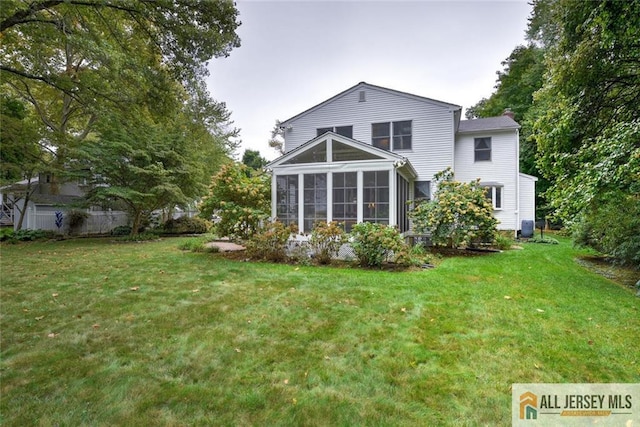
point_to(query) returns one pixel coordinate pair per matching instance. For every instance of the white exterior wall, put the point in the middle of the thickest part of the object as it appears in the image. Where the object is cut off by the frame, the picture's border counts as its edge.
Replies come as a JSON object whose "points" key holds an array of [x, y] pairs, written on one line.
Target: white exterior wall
{"points": [[527, 197], [502, 168], [432, 125]]}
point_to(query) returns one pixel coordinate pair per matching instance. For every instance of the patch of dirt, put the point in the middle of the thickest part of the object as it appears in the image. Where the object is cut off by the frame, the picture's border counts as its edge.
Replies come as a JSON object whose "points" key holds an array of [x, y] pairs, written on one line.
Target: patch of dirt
{"points": [[606, 267], [234, 255]]}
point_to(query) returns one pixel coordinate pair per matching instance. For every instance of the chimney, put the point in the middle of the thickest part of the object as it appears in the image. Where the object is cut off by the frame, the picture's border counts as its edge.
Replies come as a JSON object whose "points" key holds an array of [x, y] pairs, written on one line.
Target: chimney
{"points": [[508, 112]]}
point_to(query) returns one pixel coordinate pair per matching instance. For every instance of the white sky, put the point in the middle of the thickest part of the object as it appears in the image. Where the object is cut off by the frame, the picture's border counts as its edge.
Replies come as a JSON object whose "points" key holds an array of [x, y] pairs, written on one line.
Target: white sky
{"points": [[295, 55]]}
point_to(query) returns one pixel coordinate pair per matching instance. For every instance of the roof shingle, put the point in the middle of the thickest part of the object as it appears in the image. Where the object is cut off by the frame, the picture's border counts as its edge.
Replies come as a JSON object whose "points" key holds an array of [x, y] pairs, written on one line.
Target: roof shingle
{"points": [[490, 123]]}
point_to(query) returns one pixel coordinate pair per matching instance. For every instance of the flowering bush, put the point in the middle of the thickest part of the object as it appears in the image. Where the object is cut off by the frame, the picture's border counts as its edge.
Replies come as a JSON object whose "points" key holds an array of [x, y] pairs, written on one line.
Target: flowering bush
{"points": [[240, 199], [459, 215], [326, 240], [270, 241], [374, 244]]}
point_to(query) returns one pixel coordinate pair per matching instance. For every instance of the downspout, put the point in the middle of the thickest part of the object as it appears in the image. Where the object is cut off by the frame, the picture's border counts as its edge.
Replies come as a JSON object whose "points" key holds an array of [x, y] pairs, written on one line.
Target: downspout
{"points": [[517, 183], [453, 146], [274, 193]]}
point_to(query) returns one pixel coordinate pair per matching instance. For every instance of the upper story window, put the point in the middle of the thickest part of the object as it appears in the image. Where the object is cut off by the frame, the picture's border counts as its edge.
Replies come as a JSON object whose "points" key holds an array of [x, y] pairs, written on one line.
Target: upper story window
{"points": [[381, 135], [340, 130], [482, 149], [402, 135]]}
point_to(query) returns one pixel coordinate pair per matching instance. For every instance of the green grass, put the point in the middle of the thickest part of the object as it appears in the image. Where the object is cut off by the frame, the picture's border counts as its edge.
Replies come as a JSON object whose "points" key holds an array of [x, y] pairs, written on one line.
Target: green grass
{"points": [[204, 340]]}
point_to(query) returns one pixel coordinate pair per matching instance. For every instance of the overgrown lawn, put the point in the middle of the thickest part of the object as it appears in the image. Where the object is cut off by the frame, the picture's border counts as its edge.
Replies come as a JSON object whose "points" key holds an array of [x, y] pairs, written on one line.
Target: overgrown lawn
{"points": [[98, 333]]}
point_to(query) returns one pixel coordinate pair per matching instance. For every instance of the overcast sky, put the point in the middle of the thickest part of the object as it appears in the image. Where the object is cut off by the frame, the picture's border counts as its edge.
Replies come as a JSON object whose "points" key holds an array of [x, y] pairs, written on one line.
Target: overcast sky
{"points": [[295, 55]]}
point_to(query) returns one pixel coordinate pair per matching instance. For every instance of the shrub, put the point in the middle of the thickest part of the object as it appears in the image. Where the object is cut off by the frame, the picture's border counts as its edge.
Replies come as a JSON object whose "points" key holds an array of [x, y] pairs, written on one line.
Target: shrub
{"points": [[300, 253], [419, 255], [270, 242], [374, 244], [459, 215], [75, 219], [326, 240], [544, 240], [8, 235], [199, 244], [503, 242], [241, 200], [186, 225], [121, 230], [611, 226]]}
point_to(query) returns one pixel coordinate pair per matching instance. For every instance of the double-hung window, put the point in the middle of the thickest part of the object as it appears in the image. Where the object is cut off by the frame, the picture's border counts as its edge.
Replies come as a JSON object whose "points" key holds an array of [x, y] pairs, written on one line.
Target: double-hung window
{"points": [[385, 133], [402, 135], [381, 135], [482, 149]]}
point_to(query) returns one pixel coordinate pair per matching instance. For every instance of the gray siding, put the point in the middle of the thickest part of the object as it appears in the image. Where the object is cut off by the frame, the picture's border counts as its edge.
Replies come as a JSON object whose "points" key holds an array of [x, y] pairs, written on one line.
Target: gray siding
{"points": [[432, 125]]}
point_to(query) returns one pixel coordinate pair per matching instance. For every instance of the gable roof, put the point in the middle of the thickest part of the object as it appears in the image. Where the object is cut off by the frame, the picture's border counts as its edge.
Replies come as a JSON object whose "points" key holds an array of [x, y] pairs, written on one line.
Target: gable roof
{"points": [[365, 85], [327, 136], [490, 123]]}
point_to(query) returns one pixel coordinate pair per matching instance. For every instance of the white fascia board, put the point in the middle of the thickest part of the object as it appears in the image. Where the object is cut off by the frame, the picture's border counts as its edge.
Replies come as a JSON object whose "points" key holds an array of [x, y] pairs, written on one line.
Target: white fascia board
{"points": [[527, 176]]}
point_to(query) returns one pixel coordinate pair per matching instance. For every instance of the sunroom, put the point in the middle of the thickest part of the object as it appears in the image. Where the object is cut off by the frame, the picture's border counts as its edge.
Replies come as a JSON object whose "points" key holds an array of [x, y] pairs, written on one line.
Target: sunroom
{"points": [[336, 178]]}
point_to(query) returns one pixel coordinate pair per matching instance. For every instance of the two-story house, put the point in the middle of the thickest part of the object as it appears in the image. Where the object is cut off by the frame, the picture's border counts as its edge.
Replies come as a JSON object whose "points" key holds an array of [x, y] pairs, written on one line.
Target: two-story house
{"points": [[367, 152]]}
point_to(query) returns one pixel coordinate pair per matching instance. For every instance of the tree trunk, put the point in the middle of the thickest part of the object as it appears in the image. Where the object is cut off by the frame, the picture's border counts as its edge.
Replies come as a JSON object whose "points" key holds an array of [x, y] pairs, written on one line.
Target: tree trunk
{"points": [[23, 211], [137, 219]]}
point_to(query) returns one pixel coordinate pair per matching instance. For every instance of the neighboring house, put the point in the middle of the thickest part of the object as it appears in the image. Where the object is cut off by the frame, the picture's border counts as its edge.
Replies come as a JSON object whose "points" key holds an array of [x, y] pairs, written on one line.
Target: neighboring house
{"points": [[47, 197], [368, 152]]}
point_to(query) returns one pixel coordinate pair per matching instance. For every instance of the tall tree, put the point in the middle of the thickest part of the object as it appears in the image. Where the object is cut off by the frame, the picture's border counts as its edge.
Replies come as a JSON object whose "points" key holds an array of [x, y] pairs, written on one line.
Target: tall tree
{"points": [[117, 86], [253, 159], [148, 161], [587, 121], [21, 155], [521, 77], [76, 60]]}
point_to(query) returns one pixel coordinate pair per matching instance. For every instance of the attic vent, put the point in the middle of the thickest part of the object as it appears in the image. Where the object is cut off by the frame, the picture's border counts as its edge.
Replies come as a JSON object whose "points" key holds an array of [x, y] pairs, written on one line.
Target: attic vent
{"points": [[362, 96]]}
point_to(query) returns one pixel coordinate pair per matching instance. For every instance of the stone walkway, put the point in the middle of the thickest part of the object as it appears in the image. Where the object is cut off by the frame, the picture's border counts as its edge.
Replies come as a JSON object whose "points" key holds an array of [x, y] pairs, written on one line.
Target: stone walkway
{"points": [[226, 246]]}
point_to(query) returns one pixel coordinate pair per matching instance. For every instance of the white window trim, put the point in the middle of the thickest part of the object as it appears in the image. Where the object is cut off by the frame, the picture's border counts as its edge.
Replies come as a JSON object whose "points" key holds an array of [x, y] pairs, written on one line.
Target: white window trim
{"points": [[490, 149], [334, 130], [494, 190], [392, 123]]}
